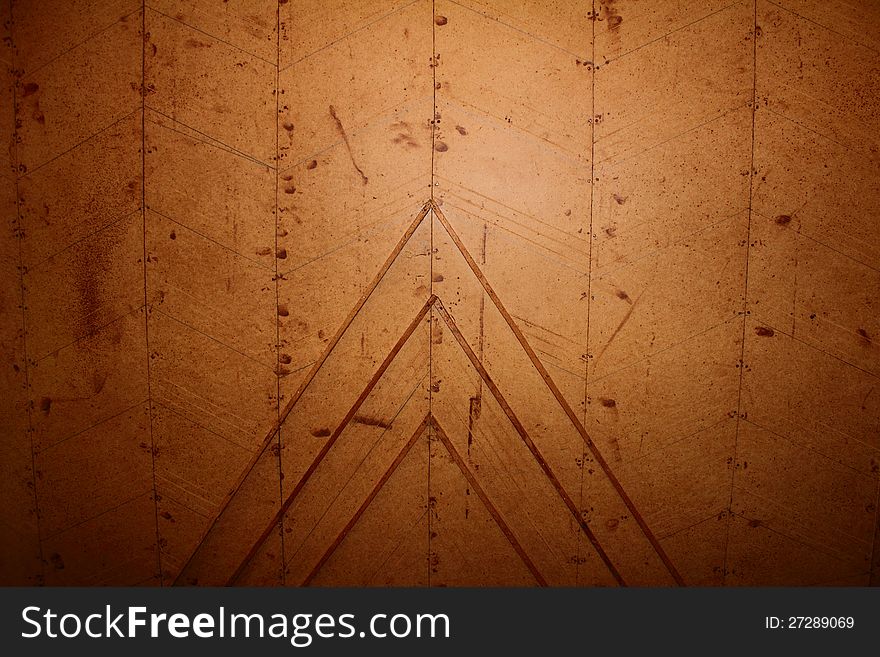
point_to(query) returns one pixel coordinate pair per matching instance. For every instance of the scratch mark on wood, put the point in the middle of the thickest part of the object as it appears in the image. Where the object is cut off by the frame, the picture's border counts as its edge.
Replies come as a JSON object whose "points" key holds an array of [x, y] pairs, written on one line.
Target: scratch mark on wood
{"points": [[371, 421], [620, 326], [344, 135]]}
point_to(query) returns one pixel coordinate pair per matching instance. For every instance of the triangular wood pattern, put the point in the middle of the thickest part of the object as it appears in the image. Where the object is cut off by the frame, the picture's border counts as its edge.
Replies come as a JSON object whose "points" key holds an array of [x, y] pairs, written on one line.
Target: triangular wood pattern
{"points": [[673, 208]]}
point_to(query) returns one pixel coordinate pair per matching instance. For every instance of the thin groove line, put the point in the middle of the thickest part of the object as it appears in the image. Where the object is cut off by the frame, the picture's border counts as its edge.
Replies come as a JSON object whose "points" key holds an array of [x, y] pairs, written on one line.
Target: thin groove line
{"points": [[113, 508], [544, 116], [497, 461], [557, 360], [143, 37], [401, 341], [212, 140], [524, 435], [394, 551], [143, 582], [693, 524], [41, 575], [539, 242], [212, 36], [672, 443], [205, 406], [354, 470], [490, 507], [48, 448], [311, 375], [30, 172], [108, 576], [112, 222], [346, 36], [202, 138], [433, 102], [642, 359], [185, 492], [507, 234], [855, 149], [551, 384], [745, 310], [254, 261], [821, 243], [54, 59], [90, 334], [562, 240], [816, 547], [213, 339], [825, 27], [277, 222], [185, 417], [807, 447], [481, 352], [481, 344], [655, 113], [181, 485], [806, 127], [428, 442], [720, 114], [525, 219], [520, 30], [389, 261], [556, 148], [628, 260], [670, 33], [814, 100], [367, 232], [366, 503], [827, 535], [816, 347], [589, 261]]}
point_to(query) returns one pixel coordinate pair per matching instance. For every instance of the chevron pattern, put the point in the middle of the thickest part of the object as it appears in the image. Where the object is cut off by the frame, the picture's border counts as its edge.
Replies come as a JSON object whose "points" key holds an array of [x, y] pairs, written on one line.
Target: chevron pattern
{"points": [[520, 454], [440, 293]]}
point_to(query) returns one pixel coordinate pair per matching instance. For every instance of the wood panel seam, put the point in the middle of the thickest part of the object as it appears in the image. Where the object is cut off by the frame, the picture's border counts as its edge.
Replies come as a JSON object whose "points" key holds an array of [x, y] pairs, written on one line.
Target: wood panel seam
{"points": [[745, 306], [155, 495], [19, 232], [276, 279]]}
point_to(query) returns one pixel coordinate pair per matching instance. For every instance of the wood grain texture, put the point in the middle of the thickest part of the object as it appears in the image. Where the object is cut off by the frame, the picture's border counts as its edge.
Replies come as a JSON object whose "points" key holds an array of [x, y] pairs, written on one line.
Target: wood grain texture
{"points": [[440, 293]]}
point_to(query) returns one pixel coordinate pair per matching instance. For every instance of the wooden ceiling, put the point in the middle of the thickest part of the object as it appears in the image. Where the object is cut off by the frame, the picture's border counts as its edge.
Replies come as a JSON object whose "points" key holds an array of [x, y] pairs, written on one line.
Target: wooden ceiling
{"points": [[440, 293]]}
